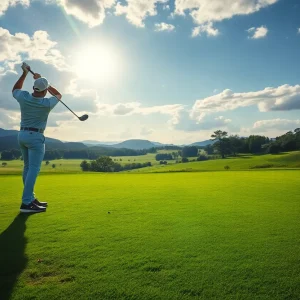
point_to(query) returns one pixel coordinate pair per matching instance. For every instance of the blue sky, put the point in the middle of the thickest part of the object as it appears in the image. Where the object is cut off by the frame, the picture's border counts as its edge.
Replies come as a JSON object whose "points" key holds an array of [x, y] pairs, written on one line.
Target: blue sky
{"points": [[167, 71]]}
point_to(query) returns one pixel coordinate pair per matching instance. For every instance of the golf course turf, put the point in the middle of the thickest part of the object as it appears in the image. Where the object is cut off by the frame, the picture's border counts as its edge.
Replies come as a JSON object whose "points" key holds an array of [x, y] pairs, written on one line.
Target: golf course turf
{"points": [[209, 235]]}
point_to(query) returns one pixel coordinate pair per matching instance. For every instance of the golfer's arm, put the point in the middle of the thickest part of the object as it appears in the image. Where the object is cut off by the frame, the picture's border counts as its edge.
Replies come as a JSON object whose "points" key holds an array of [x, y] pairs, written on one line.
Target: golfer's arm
{"points": [[54, 92], [19, 84]]}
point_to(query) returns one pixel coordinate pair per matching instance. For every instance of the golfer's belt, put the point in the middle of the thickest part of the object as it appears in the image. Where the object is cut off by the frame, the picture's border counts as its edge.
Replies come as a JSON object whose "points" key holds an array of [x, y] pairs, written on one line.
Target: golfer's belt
{"points": [[32, 129]]}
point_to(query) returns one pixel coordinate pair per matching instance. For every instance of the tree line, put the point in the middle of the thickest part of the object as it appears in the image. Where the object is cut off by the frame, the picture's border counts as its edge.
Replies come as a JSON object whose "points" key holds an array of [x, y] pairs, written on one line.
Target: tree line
{"points": [[226, 145], [79, 154], [106, 164]]}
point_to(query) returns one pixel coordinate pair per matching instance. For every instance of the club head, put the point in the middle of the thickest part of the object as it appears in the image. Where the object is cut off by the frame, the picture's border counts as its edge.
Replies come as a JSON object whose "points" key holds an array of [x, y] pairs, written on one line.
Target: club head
{"points": [[83, 118]]}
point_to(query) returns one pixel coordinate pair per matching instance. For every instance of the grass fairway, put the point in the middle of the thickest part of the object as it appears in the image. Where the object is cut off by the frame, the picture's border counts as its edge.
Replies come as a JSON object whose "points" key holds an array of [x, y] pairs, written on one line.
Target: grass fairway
{"points": [[215, 235]]}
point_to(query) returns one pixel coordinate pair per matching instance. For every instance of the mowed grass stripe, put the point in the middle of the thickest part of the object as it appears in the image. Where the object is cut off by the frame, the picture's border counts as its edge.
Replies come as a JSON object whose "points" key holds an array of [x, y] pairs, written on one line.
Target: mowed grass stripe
{"points": [[217, 235]]}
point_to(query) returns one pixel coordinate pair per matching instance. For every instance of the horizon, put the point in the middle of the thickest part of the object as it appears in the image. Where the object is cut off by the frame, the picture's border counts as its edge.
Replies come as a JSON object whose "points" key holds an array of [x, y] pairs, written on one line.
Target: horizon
{"points": [[172, 72], [97, 142]]}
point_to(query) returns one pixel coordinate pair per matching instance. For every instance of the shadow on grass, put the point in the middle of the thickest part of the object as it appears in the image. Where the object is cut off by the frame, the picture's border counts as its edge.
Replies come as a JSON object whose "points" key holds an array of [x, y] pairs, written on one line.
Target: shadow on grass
{"points": [[12, 255]]}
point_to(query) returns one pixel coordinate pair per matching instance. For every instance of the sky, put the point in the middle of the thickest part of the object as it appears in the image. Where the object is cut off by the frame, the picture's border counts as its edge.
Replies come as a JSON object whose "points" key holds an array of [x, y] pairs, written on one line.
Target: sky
{"points": [[166, 71]]}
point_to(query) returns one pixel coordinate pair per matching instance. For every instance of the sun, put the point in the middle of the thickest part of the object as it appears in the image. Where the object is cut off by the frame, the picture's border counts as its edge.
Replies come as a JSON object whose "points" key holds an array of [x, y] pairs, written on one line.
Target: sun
{"points": [[98, 63]]}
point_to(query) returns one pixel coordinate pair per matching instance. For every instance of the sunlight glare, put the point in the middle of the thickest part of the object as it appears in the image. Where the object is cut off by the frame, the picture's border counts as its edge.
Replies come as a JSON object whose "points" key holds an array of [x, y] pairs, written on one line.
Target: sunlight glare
{"points": [[97, 63]]}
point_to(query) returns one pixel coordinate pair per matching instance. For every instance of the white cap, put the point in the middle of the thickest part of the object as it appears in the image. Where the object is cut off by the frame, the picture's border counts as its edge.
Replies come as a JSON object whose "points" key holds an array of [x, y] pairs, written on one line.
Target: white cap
{"points": [[41, 84]]}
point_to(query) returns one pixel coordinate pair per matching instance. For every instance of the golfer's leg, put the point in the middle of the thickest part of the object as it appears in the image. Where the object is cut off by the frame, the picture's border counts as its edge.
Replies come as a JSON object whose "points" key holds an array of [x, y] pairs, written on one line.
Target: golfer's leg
{"points": [[35, 154], [24, 151]]}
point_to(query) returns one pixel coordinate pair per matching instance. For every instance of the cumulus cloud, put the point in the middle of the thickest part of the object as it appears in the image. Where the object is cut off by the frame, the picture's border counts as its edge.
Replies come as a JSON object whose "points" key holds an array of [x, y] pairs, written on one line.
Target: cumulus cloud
{"points": [[146, 131], [164, 27], [9, 119], [130, 108], [279, 124], [4, 4], [137, 10], [18, 47], [186, 122], [257, 32], [205, 28], [282, 98], [91, 12], [204, 11]]}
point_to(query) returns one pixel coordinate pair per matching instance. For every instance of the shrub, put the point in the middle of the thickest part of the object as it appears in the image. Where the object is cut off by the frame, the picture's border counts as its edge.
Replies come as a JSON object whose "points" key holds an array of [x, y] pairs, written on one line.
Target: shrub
{"points": [[53, 166], [4, 164], [163, 156], [184, 160], [226, 167]]}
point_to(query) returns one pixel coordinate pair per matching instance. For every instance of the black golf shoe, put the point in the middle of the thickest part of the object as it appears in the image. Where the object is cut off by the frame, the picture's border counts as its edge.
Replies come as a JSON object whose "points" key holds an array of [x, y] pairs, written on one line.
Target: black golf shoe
{"points": [[31, 208], [38, 203]]}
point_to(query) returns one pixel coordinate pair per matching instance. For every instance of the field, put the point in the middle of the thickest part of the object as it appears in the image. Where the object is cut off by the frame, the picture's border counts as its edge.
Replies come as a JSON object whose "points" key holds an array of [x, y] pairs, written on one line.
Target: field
{"points": [[193, 235], [243, 162]]}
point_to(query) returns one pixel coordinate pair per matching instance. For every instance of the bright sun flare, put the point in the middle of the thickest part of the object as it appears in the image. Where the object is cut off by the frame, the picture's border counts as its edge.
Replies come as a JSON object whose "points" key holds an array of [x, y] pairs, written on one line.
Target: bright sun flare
{"points": [[97, 63]]}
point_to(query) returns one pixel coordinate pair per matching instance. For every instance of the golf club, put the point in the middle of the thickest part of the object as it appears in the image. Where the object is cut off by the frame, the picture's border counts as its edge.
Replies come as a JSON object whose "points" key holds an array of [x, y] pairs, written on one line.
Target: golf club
{"points": [[82, 118]]}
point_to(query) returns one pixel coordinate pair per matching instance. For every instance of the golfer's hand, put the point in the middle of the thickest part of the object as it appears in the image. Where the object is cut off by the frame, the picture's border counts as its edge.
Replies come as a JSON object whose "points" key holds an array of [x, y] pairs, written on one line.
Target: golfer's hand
{"points": [[36, 76], [25, 68]]}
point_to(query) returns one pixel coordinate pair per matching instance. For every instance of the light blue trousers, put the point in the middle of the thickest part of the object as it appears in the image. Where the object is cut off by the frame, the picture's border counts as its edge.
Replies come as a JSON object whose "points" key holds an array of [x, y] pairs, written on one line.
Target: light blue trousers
{"points": [[32, 146]]}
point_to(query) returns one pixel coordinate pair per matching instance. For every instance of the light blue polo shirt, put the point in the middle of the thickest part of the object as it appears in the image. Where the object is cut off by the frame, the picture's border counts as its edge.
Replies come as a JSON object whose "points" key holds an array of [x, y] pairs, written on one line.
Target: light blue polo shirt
{"points": [[34, 111]]}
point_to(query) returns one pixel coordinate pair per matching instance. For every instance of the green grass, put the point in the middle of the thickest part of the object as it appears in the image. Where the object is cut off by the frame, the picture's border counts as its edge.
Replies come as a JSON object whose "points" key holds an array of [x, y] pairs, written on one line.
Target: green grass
{"points": [[213, 235], [243, 162]]}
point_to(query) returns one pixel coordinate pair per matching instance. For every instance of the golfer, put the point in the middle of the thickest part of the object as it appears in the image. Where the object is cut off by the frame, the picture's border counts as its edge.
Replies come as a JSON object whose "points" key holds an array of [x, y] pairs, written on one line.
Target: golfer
{"points": [[35, 109]]}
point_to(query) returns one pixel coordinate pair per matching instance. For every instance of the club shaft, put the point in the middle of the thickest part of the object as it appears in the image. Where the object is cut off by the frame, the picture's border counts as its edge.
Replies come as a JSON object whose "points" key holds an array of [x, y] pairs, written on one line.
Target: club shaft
{"points": [[59, 99]]}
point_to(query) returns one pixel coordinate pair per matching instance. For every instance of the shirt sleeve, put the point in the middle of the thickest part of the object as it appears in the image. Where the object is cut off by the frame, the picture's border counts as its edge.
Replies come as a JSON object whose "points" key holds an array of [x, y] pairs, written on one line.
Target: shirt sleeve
{"points": [[52, 102], [18, 95]]}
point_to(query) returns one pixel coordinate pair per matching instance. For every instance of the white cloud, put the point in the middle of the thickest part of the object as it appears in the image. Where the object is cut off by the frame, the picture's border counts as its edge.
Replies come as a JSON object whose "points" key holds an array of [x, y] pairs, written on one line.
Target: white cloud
{"points": [[137, 10], [279, 124], [164, 27], [298, 31], [146, 131], [91, 12], [9, 119], [186, 122], [18, 47], [166, 7], [282, 98], [205, 28], [258, 32], [130, 108], [4, 4], [204, 11]]}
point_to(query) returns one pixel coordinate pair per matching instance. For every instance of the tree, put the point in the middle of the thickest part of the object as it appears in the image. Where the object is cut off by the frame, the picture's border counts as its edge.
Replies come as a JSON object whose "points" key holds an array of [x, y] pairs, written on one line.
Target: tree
{"points": [[255, 143], [163, 156], [189, 151], [7, 155], [102, 164], [16, 153], [236, 144], [47, 162], [85, 166], [273, 148], [184, 160], [202, 155], [222, 142], [209, 149], [53, 166], [175, 155], [4, 164]]}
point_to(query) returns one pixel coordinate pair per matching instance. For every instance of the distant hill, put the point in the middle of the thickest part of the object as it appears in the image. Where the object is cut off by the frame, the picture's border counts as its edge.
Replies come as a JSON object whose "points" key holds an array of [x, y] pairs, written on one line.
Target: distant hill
{"points": [[203, 143], [135, 144], [9, 140], [4, 132], [97, 143]]}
